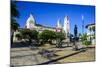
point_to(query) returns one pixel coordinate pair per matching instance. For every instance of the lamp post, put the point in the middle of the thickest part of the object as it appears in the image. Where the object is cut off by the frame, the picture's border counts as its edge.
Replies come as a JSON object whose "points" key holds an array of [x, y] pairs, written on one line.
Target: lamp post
{"points": [[82, 24]]}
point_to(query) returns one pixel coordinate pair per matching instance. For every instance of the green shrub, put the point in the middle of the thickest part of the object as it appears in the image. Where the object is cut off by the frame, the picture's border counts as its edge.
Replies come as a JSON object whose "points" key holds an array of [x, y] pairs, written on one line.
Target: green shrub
{"points": [[86, 42], [18, 36]]}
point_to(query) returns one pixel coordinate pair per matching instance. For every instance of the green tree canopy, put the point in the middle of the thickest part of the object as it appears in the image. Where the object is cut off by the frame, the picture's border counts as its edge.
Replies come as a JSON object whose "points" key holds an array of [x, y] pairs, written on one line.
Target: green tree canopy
{"points": [[84, 37], [14, 25], [60, 35], [29, 34], [47, 35], [14, 15], [84, 40], [14, 10]]}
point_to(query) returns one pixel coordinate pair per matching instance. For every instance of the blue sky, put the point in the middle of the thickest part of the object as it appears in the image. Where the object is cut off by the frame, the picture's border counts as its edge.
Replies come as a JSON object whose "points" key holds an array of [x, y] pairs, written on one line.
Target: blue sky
{"points": [[47, 14]]}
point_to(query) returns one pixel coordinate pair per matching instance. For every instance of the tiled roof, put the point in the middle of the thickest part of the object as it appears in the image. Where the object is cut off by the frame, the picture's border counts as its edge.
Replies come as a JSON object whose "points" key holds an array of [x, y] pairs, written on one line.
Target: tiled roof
{"points": [[89, 25], [45, 26]]}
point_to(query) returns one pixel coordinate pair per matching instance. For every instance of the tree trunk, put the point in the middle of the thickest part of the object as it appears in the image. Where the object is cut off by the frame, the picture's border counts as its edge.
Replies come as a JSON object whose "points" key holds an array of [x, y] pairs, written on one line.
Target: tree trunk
{"points": [[12, 35]]}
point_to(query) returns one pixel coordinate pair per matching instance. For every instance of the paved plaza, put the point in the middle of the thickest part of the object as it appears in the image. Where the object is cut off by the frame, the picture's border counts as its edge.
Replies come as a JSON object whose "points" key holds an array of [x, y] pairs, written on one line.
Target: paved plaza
{"points": [[27, 56]]}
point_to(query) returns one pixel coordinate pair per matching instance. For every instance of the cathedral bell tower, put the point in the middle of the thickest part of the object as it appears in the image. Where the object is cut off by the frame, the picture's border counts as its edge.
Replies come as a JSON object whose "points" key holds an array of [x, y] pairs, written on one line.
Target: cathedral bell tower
{"points": [[66, 27], [59, 26], [30, 23]]}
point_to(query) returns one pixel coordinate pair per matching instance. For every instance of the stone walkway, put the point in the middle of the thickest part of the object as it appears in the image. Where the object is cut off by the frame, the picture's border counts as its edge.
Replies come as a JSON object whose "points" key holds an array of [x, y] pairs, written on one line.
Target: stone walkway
{"points": [[87, 56]]}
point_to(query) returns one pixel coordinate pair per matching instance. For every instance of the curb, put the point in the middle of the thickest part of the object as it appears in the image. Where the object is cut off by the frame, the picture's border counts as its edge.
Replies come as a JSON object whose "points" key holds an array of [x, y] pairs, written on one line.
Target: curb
{"points": [[54, 60]]}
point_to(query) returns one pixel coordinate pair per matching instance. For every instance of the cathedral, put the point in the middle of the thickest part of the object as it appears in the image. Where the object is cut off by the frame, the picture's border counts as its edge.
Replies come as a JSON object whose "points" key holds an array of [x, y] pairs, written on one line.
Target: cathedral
{"points": [[31, 24]]}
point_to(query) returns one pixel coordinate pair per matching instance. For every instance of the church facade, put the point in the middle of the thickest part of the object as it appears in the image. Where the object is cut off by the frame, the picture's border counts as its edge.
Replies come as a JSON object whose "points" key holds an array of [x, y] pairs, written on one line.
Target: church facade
{"points": [[31, 24]]}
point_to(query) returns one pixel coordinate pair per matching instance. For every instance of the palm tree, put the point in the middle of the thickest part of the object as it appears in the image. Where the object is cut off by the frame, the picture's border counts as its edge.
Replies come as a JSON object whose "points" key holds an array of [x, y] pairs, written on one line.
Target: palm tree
{"points": [[14, 14]]}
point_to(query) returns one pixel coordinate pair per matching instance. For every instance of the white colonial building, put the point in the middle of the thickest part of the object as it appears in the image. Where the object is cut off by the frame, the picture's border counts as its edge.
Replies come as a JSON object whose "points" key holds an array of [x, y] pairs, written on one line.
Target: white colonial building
{"points": [[91, 32]]}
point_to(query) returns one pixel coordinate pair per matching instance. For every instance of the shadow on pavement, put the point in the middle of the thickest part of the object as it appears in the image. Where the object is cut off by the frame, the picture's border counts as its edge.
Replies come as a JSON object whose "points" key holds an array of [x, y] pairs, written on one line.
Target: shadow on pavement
{"points": [[19, 44]]}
